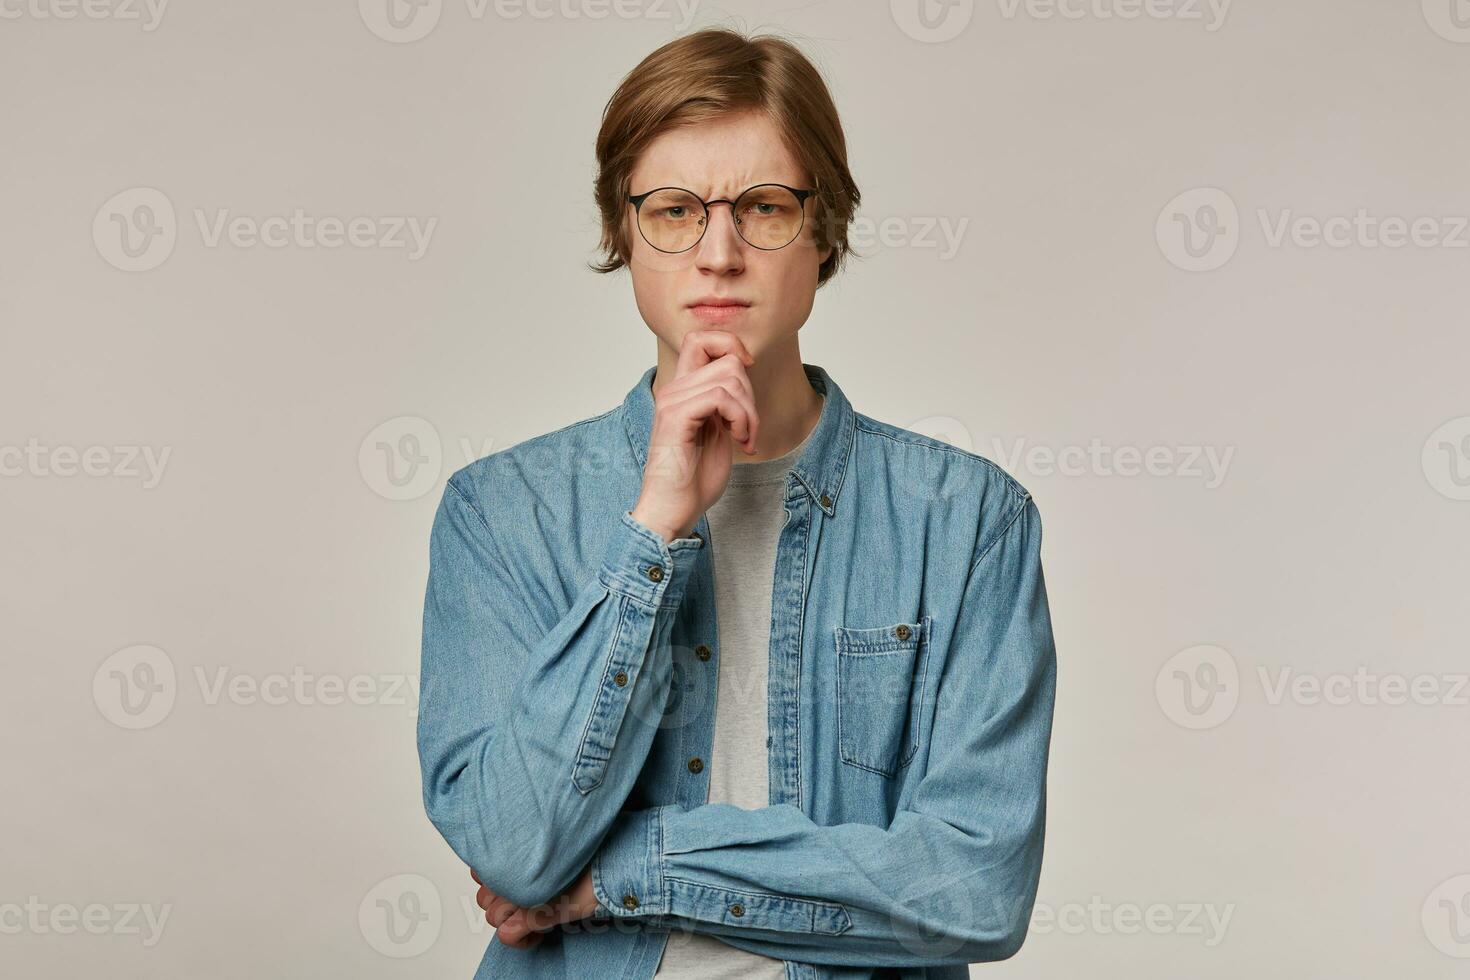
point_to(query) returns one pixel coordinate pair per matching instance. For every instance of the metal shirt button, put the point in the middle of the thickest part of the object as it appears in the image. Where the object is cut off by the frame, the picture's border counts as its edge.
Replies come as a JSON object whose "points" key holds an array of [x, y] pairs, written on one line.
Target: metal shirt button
{"points": [[901, 631], [696, 765], [629, 902], [702, 652], [656, 572], [620, 678]]}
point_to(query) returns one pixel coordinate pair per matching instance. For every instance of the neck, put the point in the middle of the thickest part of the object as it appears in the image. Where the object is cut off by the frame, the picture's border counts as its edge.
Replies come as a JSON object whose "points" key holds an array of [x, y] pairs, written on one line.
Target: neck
{"points": [[785, 401]]}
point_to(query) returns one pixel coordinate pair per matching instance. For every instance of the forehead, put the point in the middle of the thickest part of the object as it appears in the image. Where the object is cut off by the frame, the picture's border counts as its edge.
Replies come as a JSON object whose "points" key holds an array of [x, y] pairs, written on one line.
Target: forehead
{"points": [[719, 156]]}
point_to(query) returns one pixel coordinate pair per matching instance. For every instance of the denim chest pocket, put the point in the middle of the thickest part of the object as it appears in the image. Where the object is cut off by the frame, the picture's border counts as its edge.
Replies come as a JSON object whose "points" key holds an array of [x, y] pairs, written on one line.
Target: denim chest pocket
{"points": [[880, 676]]}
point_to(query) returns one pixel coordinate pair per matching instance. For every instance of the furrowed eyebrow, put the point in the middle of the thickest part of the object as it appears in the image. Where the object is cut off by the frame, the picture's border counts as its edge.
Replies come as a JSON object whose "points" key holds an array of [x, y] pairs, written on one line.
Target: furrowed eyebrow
{"points": [[708, 196]]}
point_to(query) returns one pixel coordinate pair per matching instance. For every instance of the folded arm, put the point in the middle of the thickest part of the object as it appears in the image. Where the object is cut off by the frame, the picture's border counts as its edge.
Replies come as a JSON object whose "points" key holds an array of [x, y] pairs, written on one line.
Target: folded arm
{"points": [[953, 878], [532, 730]]}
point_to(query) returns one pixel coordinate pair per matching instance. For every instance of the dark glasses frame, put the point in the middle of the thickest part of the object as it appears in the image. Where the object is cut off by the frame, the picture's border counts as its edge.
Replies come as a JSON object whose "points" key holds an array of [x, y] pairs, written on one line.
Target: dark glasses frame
{"points": [[800, 194]]}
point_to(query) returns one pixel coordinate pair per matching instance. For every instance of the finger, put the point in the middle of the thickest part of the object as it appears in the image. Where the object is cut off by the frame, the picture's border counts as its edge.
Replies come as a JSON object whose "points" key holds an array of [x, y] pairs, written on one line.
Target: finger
{"points": [[528, 921], [732, 368], [497, 909], [529, 942], [475, 875], [514, 930], [727, 367], [728, 370], [699, 347], [737, 410], [543, 917]]}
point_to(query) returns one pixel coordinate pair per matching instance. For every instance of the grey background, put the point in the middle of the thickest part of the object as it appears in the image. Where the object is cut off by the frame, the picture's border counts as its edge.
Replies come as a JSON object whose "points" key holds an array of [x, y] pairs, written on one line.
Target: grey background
{"points": [[1327, 839]]}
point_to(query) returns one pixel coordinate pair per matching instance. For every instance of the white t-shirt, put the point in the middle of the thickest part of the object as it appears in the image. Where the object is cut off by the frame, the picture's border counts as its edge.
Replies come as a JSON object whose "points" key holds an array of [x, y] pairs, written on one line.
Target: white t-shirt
{"points": [[744, 526]]}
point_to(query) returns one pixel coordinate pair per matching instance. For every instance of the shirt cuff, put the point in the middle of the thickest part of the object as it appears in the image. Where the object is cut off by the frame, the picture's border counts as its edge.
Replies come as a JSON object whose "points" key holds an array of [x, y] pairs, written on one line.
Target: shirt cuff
{"points": [[639, 563], [630, 879], [627, 871]]}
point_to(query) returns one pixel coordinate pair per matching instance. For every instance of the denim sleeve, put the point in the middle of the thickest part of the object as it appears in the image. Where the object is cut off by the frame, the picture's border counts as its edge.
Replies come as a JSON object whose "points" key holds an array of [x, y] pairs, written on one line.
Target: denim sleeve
{"points": [[530, 738], [951, 880]]}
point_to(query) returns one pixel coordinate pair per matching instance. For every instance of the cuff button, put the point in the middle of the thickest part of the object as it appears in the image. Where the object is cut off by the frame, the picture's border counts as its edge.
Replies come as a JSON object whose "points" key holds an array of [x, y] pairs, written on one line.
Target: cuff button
{"points": [[737, 910]]}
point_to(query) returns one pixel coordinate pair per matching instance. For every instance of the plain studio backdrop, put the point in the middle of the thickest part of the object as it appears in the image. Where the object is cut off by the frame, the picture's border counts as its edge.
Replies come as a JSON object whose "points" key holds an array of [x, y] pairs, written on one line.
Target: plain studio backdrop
{"points": [[1195, 274]]}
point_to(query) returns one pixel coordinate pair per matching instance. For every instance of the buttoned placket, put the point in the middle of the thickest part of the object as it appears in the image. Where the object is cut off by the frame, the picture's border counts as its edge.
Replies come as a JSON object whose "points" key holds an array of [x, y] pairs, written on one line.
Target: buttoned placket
{"points": [[698, 651], [696, 647], [784, 659]]}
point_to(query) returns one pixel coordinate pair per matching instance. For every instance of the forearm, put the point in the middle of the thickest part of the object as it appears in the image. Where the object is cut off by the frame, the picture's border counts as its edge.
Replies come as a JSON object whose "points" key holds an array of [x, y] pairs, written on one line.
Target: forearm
{"points": [[770, 881], [951, 879], [524, 786]]}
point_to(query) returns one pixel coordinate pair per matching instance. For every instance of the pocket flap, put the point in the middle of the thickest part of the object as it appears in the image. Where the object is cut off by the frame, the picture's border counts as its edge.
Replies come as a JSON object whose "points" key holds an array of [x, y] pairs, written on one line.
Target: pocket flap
{"points": [[880, 639]]}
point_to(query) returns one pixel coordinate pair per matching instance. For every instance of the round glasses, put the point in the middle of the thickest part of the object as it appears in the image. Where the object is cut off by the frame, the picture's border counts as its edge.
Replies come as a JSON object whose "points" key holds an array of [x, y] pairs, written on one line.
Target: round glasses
{"points": [[767, 216]]}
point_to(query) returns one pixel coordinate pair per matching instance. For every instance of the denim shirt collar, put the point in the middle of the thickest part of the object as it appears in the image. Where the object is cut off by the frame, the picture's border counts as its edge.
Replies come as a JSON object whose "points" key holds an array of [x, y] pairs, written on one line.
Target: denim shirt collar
{"points": [[821, 466]]}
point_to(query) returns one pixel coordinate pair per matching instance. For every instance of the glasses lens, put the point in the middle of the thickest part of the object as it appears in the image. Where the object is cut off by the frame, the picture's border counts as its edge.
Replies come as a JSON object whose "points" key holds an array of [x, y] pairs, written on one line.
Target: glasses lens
{"points": [[671, 220], [768, 216]]}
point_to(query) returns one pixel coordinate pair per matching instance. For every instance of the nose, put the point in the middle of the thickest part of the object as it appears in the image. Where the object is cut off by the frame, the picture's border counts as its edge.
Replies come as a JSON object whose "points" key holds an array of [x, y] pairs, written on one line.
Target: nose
{"points": [[719, 250]]}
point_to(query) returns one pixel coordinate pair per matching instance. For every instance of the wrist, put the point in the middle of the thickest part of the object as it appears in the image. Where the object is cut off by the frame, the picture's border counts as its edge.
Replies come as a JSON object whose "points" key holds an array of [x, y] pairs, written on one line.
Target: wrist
{"points": [[655, 524]]}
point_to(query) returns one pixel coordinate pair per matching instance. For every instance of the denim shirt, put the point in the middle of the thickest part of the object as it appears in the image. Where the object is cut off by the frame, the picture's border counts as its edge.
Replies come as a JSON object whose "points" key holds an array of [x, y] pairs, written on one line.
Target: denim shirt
{"points": [[569, 672]]}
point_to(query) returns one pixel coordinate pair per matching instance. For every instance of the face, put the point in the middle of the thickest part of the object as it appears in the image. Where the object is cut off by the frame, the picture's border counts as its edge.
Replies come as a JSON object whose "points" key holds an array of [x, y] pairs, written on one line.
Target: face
{"points": [[720, 159]]}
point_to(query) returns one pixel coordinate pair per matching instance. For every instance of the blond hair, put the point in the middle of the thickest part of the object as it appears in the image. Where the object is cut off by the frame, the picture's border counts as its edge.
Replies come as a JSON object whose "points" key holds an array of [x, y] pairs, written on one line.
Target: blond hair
{"points": [[704, 75]]}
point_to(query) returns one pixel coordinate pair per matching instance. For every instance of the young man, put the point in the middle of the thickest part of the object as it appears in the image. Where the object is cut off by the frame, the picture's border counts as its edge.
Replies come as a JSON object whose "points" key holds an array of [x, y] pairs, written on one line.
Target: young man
{"points": [[775, 713]]}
